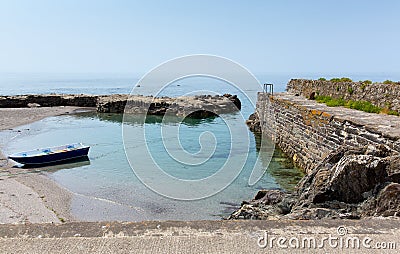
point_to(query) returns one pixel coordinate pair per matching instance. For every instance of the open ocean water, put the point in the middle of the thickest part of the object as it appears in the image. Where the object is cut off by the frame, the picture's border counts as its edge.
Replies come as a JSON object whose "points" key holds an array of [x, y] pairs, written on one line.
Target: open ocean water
{"points": [[106, 187]]}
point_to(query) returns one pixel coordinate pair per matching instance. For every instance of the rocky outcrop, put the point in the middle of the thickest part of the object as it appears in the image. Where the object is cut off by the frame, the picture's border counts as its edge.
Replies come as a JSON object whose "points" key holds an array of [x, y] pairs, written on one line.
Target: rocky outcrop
{"points": [[112, 104], [350, 183], [201, 106], [48, 100], [254, 123]]}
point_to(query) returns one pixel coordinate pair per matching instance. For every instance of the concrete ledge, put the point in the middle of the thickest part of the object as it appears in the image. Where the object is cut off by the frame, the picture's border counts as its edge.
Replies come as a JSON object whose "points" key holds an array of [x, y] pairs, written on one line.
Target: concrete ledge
{"points": [[186, 228], [191, 236]]}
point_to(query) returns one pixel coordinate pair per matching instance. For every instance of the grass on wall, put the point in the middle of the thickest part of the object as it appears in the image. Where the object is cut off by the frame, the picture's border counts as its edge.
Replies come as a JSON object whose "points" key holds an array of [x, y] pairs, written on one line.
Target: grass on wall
{"points": [[389, 82], [357, 105], [344, 79]]}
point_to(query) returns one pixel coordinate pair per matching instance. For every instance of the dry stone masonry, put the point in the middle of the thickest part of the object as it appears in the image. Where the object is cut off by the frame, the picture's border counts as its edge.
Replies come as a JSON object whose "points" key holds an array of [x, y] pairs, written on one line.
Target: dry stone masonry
{"points": [[379, 94], [351, 158], [308, 131]]}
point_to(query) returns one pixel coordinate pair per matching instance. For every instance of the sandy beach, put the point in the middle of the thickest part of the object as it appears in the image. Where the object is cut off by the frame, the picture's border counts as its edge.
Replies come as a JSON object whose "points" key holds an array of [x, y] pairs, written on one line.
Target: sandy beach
{"points": [[28, 196]]}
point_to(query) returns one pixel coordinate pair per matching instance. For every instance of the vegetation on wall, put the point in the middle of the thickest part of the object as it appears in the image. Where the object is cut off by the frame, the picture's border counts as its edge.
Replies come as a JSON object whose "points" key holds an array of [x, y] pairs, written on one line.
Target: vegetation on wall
{"points": [[366, 82], [341, 80], [350, 90], [363, 82], [357, 105], [388, 82]]}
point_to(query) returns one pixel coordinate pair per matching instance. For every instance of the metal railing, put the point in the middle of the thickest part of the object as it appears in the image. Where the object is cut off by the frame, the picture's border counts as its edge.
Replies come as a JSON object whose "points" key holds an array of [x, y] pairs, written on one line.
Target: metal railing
{"points": [[269, 88]]}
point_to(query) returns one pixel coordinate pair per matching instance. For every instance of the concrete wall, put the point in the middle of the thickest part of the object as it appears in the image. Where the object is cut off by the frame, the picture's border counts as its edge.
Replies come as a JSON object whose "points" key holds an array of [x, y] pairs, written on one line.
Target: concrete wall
{"points": [[307, 132], [382, 95]]}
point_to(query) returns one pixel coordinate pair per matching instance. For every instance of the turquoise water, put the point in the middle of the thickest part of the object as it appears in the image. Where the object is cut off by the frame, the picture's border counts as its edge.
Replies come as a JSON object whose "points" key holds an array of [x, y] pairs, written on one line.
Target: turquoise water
{"points": [[106, 188]]}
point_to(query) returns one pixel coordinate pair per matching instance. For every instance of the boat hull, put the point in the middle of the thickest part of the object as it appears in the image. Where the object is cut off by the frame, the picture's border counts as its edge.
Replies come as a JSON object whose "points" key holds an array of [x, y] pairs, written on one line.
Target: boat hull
{"points": [[52, 158]]}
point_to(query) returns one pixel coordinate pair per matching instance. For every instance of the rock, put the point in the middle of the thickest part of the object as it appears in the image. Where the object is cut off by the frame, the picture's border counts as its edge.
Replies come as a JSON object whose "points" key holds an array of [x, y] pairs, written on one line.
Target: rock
{"points": [[48, 100], [235, 100], [196, 106], [347, 184], [286, 205], [344, 176], [312, 214], [33, 105], [351, 177], [254, 212], [379, 151], [261, 207], [254, 123], [269, 197], [393, 169], [200, 106], [386, 203]]}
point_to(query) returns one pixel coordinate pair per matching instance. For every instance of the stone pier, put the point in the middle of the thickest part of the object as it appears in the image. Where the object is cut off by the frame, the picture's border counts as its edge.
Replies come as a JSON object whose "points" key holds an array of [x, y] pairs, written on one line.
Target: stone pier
{"points": [[351, 158], [308, 131]]}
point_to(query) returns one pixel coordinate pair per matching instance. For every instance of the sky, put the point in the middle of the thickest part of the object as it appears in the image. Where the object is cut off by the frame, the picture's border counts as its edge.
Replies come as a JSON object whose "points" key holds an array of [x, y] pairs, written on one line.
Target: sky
{"points": [[95, 36]]}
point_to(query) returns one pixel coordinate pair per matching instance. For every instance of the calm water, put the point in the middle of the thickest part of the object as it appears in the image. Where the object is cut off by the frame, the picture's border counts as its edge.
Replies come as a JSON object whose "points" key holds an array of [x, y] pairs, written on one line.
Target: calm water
{"points": [[106, 188]]}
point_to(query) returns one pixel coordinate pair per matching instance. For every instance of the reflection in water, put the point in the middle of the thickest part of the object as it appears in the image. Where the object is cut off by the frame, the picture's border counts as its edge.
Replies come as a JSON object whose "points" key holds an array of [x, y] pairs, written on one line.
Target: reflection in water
{"points": [[281, 166], [283, 170], [70, 163], [139, 119]]}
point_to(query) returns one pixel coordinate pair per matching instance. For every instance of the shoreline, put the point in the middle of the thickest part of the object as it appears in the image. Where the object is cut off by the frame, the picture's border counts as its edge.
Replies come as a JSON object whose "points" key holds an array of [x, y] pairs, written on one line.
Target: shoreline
{"points": [[31, 197]]}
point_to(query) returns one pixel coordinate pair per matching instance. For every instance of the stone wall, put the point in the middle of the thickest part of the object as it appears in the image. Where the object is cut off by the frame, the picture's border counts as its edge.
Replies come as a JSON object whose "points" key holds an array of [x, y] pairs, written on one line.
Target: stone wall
{"points": [[379, 94], [308, 131]]}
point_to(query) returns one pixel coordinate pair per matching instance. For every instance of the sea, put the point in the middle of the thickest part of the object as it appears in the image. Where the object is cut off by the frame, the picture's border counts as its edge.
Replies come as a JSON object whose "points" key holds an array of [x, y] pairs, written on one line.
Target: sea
{"points": [[106, 187]]}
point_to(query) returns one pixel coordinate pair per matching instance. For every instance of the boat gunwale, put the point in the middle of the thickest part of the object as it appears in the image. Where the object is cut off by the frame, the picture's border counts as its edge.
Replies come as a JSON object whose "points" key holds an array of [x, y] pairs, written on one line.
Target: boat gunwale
{"points": [[16, 155]]}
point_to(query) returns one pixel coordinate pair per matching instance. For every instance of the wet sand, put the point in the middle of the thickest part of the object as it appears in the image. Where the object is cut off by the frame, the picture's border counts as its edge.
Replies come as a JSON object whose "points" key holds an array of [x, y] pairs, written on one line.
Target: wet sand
{"points": [[29, 196]]}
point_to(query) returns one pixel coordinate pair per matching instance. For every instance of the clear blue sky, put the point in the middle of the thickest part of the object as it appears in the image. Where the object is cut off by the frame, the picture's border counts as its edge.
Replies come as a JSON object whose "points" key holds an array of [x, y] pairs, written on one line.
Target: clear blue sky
{"points": [[135, 36]]}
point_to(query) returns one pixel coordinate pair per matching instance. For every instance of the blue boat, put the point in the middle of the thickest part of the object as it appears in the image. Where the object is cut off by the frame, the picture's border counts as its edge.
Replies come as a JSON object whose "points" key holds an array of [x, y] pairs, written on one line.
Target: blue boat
{"points": [[51, 155]]}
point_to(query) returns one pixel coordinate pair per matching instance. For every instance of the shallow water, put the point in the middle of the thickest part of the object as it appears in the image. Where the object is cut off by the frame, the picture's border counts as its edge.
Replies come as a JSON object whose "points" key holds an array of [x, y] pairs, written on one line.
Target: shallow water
{"points": [[107, 188]]}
